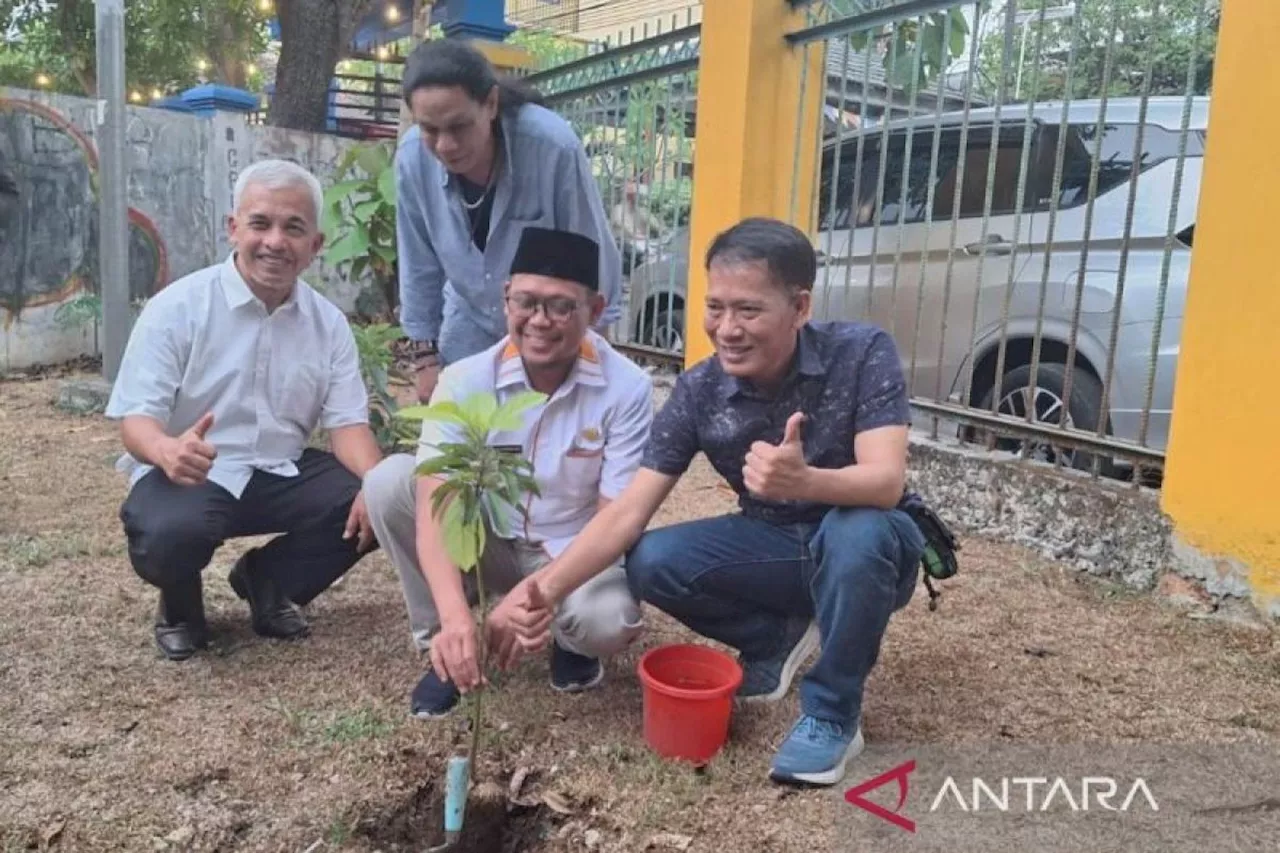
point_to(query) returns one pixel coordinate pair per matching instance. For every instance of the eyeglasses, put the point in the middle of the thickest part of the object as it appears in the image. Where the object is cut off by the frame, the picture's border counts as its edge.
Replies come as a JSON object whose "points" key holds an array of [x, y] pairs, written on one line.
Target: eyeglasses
{"points": [[557, 308]]}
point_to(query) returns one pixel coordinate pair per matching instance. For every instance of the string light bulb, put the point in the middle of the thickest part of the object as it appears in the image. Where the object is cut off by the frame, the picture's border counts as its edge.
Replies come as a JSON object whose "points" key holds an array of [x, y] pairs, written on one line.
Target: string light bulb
{"points": [[393, 14], [202, 66], [250, 69], [135, 96], [43, 81], [264, 6], [383, 53], [156, 94]]}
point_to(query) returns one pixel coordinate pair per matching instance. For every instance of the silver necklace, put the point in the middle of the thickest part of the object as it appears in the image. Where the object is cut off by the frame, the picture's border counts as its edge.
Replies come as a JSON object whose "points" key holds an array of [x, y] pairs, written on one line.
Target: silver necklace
{"points": [[488, 187]]}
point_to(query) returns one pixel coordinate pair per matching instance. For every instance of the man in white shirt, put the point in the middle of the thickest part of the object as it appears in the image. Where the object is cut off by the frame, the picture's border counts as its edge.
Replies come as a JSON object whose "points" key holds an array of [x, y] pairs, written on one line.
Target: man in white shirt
{"points": [[585, 442], [227, 373]]}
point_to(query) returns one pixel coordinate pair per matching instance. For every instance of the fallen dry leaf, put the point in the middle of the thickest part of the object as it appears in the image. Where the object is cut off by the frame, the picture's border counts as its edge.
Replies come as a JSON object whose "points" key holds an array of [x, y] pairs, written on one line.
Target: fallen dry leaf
{"points": [[515, 789], [558, 803], [50, 833], [669, 841]]}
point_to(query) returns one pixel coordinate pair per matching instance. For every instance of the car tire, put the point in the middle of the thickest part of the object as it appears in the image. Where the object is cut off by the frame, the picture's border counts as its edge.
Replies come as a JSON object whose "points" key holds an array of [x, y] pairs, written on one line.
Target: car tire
{"points": [[1084, 410]]}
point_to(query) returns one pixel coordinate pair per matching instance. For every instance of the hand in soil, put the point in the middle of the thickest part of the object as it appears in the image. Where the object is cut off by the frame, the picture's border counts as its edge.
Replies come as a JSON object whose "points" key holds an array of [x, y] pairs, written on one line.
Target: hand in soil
{"points": [[455, 654]]}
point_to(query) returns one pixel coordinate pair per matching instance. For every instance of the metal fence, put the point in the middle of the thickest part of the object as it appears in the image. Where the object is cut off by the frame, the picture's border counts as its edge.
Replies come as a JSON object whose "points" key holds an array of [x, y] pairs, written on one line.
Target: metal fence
{"points": [[634, 109], [1019, 212]]}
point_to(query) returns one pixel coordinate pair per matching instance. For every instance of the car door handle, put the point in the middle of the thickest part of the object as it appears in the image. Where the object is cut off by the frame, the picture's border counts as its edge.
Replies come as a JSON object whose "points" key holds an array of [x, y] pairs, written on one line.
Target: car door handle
{"points": [[995, 245]]}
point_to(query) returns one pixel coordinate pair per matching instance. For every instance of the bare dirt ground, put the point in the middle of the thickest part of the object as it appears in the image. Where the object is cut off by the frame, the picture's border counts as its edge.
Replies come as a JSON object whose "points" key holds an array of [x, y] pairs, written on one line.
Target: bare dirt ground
{"points": [[267, 746]]}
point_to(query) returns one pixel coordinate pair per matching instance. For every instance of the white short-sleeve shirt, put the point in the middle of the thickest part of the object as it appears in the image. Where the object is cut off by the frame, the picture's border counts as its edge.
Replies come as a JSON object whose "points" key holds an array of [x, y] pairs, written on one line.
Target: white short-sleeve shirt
{"points": [[205, 344], [585, 441]]}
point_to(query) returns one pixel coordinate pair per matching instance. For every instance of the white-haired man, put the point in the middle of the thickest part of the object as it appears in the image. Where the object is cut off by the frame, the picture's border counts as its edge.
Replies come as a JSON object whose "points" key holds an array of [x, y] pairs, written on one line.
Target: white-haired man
{"points": [[227, 373]]}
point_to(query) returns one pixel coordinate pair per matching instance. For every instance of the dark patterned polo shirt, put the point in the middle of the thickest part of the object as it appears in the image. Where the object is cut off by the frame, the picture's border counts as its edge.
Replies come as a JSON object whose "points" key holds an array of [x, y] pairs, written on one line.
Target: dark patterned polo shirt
{"points": [[846, 377]]}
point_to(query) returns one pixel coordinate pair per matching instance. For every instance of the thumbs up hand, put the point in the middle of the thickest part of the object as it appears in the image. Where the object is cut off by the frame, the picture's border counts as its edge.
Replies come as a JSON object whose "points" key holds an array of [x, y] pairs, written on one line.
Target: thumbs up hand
{"points": [[778, 471], [186, 460]]}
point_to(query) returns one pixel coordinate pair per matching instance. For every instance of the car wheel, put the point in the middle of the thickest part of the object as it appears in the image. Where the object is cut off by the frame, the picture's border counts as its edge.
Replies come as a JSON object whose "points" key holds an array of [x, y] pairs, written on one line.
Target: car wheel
{"points": [[665, 330], [1082, 413]]}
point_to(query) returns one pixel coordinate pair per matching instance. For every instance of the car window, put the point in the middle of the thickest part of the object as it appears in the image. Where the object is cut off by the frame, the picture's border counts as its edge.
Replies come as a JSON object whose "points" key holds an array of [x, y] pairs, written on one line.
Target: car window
{"points": [[896, 207], [1115, 163]]}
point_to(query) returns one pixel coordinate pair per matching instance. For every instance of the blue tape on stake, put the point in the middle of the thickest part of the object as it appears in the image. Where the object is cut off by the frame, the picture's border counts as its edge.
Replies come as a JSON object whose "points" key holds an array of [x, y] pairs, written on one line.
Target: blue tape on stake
{"points": [[455, 795]]}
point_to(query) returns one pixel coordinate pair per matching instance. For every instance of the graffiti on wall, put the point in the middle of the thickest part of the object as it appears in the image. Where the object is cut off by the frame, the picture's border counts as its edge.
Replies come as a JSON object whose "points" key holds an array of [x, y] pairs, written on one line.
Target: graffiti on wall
{"points": [[49, 231]]}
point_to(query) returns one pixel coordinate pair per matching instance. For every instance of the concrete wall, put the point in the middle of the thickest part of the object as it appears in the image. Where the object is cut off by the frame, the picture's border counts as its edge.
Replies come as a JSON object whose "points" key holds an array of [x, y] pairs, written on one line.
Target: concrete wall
{"points": [[181, 170]]}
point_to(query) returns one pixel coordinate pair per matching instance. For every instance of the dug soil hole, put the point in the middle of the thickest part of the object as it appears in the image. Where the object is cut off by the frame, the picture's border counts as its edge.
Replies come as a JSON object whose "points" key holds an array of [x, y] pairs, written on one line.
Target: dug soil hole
{"points": [[417, 824]]}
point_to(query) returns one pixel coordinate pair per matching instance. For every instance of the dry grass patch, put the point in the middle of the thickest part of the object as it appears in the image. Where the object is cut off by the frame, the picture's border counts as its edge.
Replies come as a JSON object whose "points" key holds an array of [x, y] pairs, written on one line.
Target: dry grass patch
{"points": [[271, 746]]}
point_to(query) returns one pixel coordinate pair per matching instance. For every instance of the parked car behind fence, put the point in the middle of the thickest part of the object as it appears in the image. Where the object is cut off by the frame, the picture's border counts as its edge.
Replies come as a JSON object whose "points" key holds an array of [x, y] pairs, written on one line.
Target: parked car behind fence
{"points": [[1059, 260]]}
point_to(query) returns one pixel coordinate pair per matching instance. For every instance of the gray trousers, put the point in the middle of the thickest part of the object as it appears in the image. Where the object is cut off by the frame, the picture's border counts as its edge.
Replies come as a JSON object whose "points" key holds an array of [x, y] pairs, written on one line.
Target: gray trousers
{"points": [[599, 619]]}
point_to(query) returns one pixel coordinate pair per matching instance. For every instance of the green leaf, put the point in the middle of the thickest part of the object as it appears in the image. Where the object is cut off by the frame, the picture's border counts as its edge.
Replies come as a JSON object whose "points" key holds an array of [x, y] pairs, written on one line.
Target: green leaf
{"points": [[387, 186], [959, 32], [432, 467], [365, 210], [507, 417], [497, 518], [445, 410], [478, 409], [462, 541], [373, 159], [339, 192], [860, 40], [387, 253], [353, 245]]}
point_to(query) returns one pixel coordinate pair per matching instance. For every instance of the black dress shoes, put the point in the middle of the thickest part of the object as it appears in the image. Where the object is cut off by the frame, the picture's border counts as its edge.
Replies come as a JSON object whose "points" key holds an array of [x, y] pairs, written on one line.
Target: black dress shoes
{"points": [[273, 614], [180, 626]]}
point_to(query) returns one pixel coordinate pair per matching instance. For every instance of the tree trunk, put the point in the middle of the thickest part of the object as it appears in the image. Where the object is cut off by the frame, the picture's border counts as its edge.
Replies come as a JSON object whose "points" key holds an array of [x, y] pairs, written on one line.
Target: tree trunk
{"points": [[313, 36]]}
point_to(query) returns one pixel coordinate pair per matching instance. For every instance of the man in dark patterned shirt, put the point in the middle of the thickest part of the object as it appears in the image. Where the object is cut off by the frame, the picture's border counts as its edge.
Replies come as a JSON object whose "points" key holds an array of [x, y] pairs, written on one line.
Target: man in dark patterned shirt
{"points": [[808, 423]]}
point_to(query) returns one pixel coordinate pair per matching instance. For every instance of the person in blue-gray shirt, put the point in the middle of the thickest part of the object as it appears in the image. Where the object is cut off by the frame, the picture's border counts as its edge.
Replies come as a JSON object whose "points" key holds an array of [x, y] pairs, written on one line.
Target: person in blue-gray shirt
{"points": [[483, 161], [808, 423]]}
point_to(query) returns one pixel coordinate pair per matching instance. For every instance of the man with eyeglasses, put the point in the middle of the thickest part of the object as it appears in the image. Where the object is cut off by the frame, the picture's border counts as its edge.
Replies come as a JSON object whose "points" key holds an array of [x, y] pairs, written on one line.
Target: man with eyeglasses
{"points": [[585, 440]]}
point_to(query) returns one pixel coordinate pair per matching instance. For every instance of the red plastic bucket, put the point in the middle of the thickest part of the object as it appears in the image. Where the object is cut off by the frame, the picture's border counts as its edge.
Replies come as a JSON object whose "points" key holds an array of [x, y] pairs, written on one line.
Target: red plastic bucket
{"points": [[688, 700]]}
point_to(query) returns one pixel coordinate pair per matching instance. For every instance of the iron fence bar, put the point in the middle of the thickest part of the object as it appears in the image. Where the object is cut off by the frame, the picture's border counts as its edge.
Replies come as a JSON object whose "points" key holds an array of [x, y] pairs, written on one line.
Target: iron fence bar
{"points": [[982, 419], [869, 20], [1006, 50], [928, 212], [860, 150], [957, 196], [1095, 166], [879, 197], [1058, 163], [833, 194], [642, 75], [1002, 349], [1178, 173], [907, 146], [632, 47], [1130, 209], [665, 163]]}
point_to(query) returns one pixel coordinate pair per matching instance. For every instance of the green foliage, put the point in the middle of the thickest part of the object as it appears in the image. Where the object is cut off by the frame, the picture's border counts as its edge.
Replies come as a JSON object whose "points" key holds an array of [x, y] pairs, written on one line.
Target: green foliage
{"points": [[477, 479], [938, 38], [548, 49], [374, 343], [360, 218], [165, 43], [1167, 39]]}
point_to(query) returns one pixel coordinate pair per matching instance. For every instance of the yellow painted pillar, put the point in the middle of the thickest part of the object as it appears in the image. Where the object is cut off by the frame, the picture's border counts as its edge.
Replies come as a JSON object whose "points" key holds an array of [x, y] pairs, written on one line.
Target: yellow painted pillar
{"points": [[752, 86], [1222, 483]]}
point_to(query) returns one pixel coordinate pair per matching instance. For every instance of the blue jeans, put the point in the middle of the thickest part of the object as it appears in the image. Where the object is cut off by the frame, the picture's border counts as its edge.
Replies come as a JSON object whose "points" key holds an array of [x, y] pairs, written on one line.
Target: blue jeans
{"points": [[738, 580]]}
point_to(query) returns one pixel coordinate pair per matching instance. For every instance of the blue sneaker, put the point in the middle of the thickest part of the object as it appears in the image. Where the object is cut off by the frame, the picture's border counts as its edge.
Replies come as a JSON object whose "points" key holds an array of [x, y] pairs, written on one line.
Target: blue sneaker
{"points": [[815, 752], [769, 680], [572, 672], [433, 697]]}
